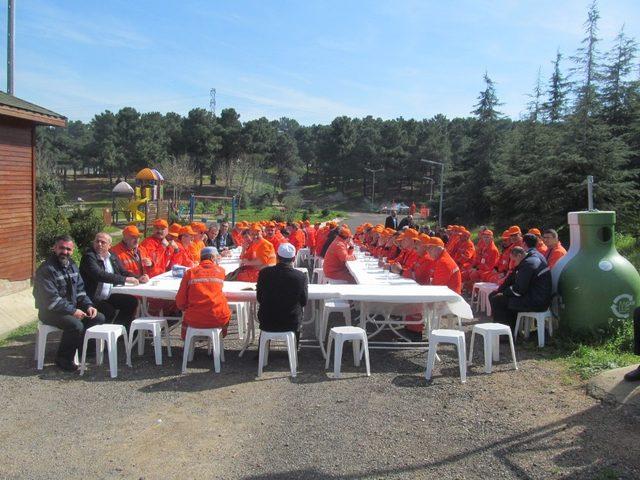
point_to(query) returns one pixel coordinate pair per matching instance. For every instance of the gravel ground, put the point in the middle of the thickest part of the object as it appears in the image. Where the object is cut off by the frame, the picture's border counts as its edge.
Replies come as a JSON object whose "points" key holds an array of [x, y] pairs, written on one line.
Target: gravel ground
{"points": [[151, 422]]}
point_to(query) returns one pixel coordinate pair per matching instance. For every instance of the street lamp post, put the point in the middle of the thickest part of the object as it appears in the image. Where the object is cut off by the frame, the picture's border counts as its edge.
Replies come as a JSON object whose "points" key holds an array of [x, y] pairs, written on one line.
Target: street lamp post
{"points": [[441, 187], [373, 186]]}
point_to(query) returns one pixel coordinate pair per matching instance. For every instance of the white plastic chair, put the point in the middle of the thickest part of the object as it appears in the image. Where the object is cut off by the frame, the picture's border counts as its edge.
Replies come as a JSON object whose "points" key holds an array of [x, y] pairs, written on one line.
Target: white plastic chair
{"points": [[242, 314], [484, 292], [329, 307], [215, 337], [542, 319], [105, 333], [358, 337], [318, 276], [491, 333], [155, 326], [455, 337], [265, 343], [41, 344]]}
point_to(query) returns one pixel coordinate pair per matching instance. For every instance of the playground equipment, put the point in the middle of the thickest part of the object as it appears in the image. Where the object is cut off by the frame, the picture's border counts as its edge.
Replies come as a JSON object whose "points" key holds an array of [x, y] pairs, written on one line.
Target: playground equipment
{"points": [[597, 286], [218, 212], [121, 196], [149, 192]]}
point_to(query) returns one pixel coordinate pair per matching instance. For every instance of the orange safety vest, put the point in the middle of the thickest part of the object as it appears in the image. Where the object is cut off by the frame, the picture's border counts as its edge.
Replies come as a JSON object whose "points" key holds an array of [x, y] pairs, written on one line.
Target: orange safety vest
{"points": [[159, 255], [445, 271], [261, 250], [201, 299], [335, 259], [131, 259]]}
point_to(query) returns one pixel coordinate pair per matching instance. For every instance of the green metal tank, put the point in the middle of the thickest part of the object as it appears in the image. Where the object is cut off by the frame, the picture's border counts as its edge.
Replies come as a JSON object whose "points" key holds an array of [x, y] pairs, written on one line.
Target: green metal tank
{"points": [[598, 288]]}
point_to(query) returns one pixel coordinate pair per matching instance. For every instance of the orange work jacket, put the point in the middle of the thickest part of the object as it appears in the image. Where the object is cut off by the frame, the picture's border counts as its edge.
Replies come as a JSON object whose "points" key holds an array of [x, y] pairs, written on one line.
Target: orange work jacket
{"points": [[159, 255], [555, 254], [445, 271], [486, 257], [335, 261], [262, 250], [182, 257], [131, 259]]}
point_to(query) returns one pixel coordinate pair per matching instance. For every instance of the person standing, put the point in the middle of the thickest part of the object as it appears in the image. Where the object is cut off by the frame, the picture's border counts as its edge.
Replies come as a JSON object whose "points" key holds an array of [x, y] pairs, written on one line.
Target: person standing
{"points": [[392, 220], [62, 301]]}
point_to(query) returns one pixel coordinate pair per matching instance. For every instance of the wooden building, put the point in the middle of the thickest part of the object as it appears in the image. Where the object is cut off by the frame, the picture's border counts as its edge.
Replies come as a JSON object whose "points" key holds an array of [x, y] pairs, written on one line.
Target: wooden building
{"points": [[18, 121]]}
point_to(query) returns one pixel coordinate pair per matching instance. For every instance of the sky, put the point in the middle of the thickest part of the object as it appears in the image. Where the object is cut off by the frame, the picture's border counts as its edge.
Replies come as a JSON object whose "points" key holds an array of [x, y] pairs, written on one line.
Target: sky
{"points": [[305, 59]]}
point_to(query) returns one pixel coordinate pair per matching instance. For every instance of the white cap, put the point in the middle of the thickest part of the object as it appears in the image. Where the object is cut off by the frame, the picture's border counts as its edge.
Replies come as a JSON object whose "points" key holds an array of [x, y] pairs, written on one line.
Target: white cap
{"points": [[286, 250], [208, 251]]}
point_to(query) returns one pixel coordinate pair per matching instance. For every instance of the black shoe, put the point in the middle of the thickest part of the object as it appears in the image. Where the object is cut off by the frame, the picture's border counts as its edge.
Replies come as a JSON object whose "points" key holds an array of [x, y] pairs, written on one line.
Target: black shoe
{"points": [[633, 375], [66, 365]]}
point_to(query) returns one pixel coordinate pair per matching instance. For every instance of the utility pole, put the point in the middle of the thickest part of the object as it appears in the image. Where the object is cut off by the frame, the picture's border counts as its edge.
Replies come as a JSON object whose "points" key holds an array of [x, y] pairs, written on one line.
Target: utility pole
{"points": [[441, 187], [373, 185], [212, 101], [11, 23], [590, 192]]}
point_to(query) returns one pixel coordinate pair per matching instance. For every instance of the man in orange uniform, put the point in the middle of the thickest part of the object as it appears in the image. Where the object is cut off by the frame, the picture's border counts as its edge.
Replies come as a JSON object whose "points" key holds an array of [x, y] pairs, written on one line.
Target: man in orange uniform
{"points": [[417, 269], [442, 269], [452, 233], [158, 248], [501, 270], [181, 252], [541, 247], [465, 250], [271, 236], [310, 233], [133, 257], [407, 253], [338, 253], [487, 255], [197, 242], [236, 233], [296, 236], [555, 250], [259, 254], [200, 295]]}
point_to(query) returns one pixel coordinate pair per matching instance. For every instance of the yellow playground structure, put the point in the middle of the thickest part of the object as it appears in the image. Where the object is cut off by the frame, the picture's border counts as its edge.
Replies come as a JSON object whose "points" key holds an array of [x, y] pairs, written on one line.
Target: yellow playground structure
{"points": [[141, 204]]}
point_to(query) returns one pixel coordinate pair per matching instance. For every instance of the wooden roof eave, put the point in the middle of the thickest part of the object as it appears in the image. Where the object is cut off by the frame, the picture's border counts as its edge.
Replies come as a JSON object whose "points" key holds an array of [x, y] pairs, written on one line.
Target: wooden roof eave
{"points": [[33, 117]]}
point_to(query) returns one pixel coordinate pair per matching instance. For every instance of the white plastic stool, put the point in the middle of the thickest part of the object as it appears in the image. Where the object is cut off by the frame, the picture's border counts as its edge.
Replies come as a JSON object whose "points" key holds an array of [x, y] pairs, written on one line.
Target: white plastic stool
{"points": [[359, 339], [491, 333], [318, 261], [456, 337], [154, 325], [265, 343], [475, 295], [215, 337], [101, 333], [331, 306], [242, 314], [542, 319], [41, 344]]}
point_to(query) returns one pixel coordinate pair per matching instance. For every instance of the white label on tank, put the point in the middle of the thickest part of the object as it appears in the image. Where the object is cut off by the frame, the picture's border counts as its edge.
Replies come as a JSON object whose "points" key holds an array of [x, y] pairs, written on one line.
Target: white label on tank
{"points": [[622, 306], [605, 265]]}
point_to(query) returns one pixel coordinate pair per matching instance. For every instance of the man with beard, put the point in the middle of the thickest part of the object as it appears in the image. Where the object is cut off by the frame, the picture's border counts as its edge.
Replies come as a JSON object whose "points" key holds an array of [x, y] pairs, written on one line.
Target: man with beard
{"points": [[62, 301]]}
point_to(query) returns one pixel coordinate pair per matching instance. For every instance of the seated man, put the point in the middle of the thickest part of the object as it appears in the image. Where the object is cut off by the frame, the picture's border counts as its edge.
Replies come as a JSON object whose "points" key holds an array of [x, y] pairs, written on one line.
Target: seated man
{"points": [[62, 301], [182, 254], [200, 295], [212, 233], [101, 270], [133, 257], [258, 255], [282, 294], [335, 259], [555, 250], [526, 289]]}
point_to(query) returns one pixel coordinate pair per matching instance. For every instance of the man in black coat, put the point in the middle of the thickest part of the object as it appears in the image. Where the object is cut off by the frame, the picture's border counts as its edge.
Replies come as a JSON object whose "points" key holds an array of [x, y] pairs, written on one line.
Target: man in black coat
{"points": [[62, 301], [282, 293], [407, 222], [101, 270], [224, 239], [527, 288], [392, 220]]}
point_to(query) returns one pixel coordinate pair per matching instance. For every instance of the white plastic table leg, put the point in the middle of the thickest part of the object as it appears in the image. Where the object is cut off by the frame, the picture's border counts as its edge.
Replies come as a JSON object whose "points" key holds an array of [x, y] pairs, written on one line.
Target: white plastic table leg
{"points": [[496, 347], [431, 359]]}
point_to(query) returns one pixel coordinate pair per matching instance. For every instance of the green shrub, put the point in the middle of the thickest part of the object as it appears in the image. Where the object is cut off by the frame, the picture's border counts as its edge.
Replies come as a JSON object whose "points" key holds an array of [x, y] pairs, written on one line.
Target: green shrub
{"points": [[84, 226], [311, 209], [278, 217], [324, 213], [50, 222]]}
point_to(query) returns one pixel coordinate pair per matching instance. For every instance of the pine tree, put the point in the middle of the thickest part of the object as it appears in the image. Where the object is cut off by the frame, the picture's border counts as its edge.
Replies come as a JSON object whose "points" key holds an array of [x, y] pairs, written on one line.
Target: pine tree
{"points": [[555, 107]]}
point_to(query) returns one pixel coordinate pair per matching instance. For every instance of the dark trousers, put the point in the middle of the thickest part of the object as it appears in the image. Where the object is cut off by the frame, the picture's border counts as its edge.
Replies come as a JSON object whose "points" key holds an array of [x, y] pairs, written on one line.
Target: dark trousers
{"points": [[636, 331], [118, 308], [72, 331], [501, 311]]}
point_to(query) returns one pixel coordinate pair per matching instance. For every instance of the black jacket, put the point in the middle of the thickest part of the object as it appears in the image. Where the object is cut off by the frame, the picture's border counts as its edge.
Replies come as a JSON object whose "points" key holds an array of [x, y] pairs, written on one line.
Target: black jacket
{"points": [[405, 222], [216, 241], [281, 293], [388, 223], [529, 285], [58, 289], [93, 272]]}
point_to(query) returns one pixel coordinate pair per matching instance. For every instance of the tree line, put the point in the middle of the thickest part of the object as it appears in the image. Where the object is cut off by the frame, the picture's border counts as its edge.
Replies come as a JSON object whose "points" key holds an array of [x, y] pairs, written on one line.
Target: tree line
{"points": [[583, 120]]}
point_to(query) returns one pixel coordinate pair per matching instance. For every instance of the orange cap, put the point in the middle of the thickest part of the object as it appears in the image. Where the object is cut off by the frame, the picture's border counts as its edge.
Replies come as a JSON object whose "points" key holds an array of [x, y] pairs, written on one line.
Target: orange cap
{"points": [[486, 231], [424, 238], [160, 223], [271, 224], [535, 231], [514, 230], [131, 230], [410, 233], [255, 227], [174, 230], [198, 227], [187, 231], [435, 241], [344, 232]]}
